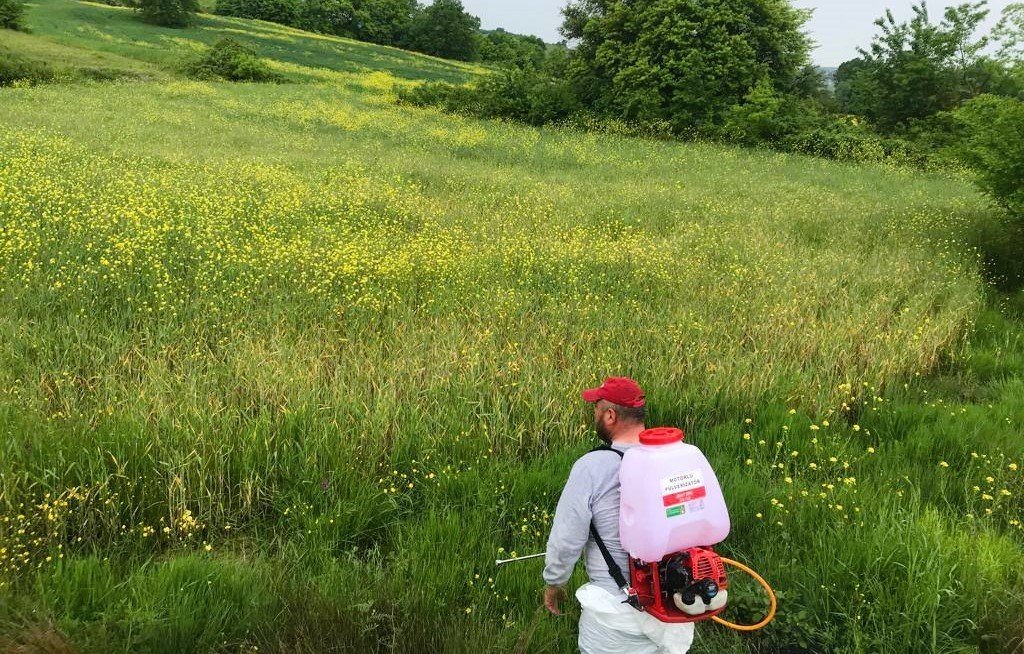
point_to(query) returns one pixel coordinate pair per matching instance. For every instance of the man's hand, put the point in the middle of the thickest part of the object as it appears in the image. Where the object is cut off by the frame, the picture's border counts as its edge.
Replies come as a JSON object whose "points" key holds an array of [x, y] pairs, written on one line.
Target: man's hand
{"points": [[552, 596]]}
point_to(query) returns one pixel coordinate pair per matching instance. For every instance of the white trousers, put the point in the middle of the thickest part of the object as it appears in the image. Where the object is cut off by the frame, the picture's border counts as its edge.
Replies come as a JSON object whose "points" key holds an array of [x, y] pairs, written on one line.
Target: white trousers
{"points": [[608, 626]]}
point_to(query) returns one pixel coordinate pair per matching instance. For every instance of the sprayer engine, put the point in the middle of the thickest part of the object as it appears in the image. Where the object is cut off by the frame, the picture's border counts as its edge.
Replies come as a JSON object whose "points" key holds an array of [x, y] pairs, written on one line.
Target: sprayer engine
{"points": [[687, 586]]}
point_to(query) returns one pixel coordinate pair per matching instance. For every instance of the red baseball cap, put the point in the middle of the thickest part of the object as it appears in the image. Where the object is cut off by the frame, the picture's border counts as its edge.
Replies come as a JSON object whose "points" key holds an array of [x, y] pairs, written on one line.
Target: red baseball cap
{"points": [[617, 390]]}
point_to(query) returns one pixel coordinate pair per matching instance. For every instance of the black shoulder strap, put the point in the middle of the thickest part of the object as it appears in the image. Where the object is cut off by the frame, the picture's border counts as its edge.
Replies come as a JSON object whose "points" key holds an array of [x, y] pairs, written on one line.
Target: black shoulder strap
{"points": [[607, 448], [613, 567]]}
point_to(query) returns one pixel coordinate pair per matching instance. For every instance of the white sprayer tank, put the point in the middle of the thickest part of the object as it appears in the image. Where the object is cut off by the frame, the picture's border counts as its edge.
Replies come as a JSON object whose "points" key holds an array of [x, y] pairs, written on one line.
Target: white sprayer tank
{"points": [[671, 500]]}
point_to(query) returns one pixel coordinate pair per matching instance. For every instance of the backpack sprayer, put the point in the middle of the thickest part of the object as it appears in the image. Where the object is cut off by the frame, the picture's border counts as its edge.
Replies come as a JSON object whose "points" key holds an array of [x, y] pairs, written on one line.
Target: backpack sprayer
{"points": [[671, 512]]}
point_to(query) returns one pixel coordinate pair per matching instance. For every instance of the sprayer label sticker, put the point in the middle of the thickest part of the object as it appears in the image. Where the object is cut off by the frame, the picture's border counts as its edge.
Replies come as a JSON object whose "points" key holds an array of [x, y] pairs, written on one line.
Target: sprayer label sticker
{"points": [[678, 489]]}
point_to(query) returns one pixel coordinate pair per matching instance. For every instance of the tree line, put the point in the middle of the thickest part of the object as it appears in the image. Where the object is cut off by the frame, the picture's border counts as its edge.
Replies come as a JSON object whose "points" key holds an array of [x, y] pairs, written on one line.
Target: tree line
{"points": [[443, 28]]}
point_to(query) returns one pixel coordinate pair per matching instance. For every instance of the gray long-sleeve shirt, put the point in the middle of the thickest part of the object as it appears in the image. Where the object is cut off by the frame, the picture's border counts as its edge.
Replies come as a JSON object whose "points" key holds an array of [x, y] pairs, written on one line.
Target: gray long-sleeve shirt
{"points": [[590, 494]]}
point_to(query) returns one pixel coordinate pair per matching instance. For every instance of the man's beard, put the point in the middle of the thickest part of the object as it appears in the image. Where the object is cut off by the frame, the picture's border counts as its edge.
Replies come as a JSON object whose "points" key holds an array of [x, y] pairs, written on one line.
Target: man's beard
{"points": [[603, 433]]}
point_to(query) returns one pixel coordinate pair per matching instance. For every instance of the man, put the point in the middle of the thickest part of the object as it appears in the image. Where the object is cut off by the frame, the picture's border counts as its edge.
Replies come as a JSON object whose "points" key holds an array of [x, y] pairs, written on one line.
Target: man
{"points": [[591, 496]]}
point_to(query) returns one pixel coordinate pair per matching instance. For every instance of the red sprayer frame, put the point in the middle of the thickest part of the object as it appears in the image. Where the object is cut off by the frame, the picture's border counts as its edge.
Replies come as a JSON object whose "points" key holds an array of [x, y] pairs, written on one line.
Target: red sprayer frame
{"points": [[645, 579]]}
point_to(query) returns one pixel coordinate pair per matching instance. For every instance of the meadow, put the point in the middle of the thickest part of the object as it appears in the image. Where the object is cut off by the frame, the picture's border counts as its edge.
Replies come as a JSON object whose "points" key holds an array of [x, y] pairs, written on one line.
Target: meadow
{"points": [[286, 367]]}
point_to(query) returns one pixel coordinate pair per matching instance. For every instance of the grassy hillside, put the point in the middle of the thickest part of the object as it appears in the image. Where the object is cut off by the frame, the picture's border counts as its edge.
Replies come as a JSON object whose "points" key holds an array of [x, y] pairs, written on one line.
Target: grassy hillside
{"points": [[285, 367], [84, 35]]}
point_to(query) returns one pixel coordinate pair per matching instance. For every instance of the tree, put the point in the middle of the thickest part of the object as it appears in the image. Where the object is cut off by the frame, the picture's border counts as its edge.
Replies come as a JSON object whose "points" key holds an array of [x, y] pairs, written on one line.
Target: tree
{"points": [[1009, 33], [994, 147], [168, 13], [916, 69], [854, 86], [383, 21], [328, 16], [444, 29], [505, 48], [685, 61], [12, 14]]}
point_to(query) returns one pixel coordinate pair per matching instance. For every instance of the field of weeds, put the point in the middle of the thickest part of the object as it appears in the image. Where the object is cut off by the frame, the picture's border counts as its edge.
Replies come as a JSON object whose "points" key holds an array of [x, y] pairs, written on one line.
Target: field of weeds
{"points": [[286, 367]]}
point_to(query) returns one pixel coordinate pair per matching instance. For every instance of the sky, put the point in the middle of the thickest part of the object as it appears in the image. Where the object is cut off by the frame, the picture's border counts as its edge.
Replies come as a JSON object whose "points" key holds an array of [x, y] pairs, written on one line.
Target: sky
{"points": [[838, 27]]}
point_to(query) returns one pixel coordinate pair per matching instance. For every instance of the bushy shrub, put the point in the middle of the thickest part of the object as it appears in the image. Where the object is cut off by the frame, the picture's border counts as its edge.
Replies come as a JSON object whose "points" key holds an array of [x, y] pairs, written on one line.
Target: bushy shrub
{"points": [[18, 70], [517, 94], [850, 138], [12, 14], [168, 13], [286, 12], [529, 96], [756, 120], [15, 70], [1000, 241], [993, 145], [233, 61], [765, 117], [453, 98]]}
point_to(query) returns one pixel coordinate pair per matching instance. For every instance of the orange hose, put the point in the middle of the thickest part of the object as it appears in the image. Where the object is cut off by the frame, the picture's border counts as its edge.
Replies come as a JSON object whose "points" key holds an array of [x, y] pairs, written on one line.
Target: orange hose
{"points": [[771, 596]]}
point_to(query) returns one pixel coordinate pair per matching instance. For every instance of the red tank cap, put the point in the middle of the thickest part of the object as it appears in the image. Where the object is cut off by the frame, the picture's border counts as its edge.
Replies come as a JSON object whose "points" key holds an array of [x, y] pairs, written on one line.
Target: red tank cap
{"points": [[661, 436]]}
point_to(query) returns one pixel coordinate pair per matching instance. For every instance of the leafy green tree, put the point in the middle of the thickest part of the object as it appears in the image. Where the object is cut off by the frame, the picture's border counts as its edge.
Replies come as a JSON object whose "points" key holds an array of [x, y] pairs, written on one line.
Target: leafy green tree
{"points": [[12, 14], [445, 29], [685, 61], [1009, 34], [168, 13], [918, 68], [328, 16], [383, 21], [854, 86], [994, 146], [557, 61], [504, 48]]}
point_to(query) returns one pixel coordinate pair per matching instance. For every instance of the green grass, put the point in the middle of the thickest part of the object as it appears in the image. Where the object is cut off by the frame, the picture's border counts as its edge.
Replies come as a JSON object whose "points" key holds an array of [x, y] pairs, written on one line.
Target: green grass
{"points": [[284, 366], [88, 36], [74, 62]]}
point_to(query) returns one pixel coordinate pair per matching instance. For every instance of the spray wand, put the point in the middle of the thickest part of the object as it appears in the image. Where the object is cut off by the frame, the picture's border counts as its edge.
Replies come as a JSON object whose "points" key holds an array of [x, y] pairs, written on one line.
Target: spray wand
{"points": [[516, 559]]}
